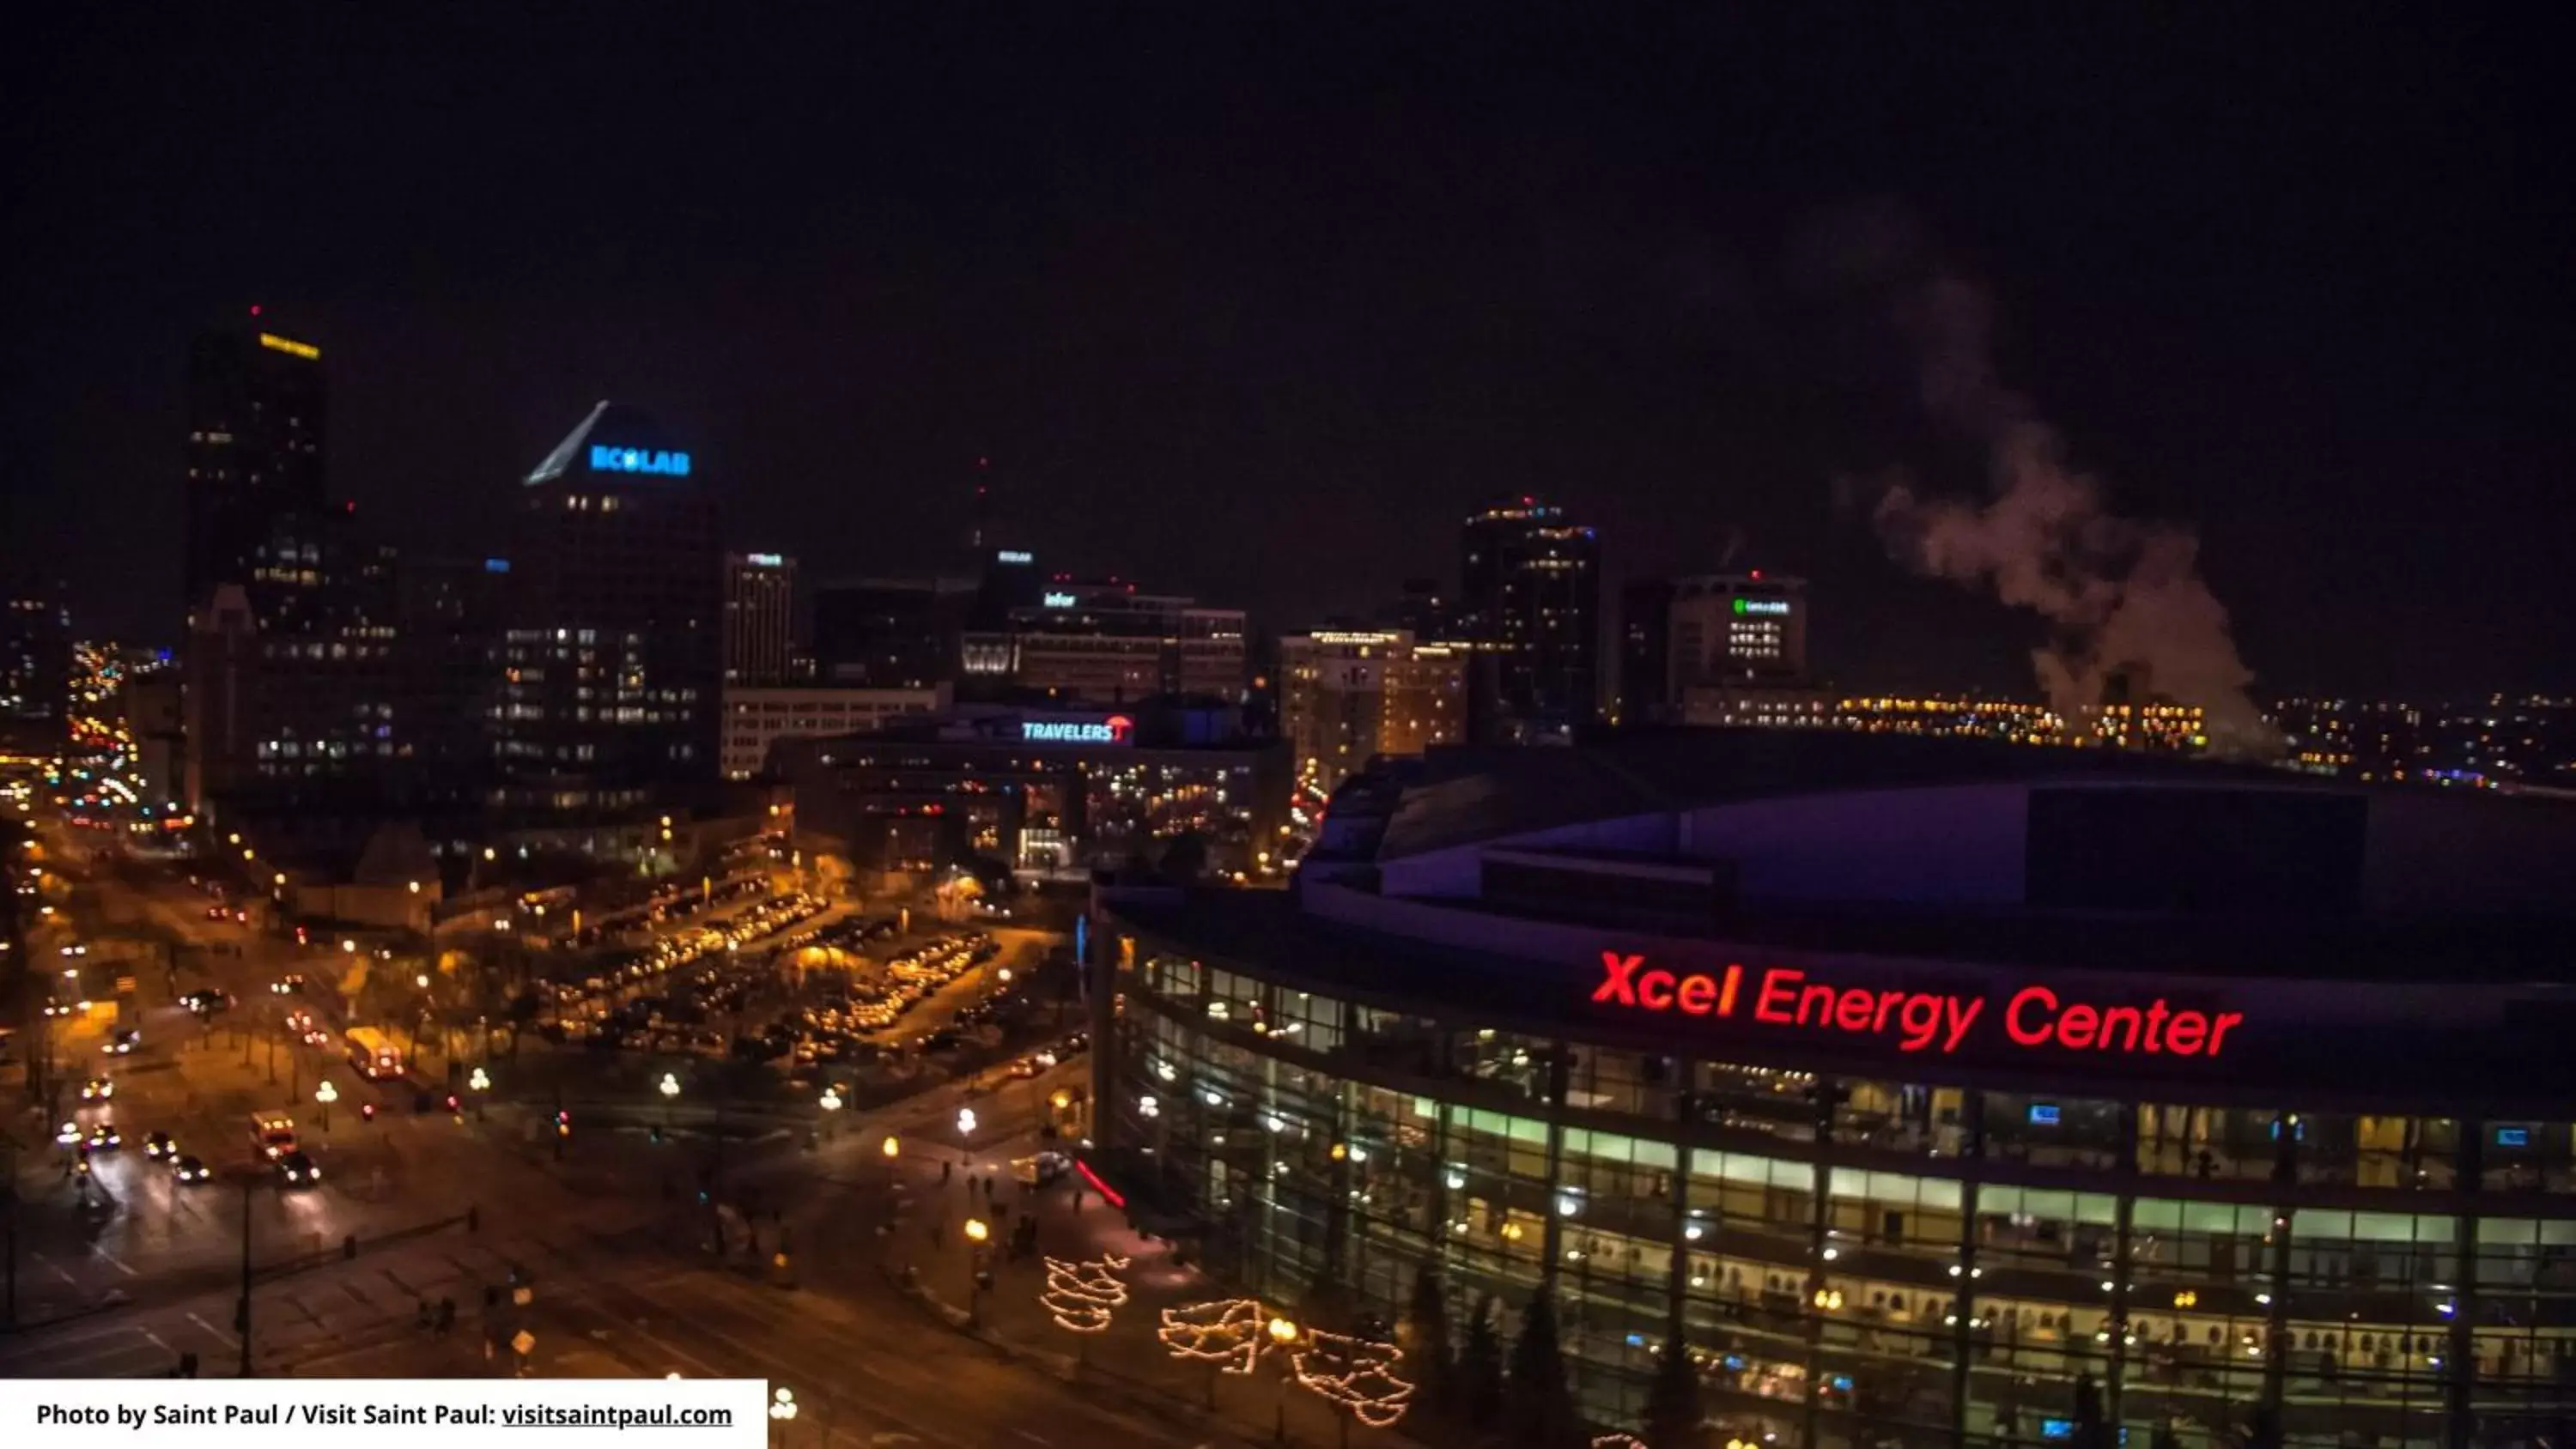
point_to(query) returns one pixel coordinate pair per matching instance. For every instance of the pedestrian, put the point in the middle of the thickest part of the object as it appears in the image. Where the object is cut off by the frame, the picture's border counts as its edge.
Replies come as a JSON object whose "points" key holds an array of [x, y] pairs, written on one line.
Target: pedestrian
{"points": [[1077, 1199], [945, 1168]]}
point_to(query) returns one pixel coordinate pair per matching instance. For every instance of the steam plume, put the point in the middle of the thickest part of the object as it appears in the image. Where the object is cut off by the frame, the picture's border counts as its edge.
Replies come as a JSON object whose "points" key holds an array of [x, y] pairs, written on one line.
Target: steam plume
{"points": [[2123, 595]]}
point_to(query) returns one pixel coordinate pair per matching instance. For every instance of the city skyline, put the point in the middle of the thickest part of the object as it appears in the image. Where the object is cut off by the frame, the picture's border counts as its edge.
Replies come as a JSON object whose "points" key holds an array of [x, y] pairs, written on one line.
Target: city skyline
{"points": [[1510, 728], [1709, 291]]}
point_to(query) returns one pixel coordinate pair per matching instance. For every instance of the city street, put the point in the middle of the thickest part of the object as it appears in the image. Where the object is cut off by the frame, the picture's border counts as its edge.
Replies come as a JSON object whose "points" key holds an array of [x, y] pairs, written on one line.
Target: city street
{"points": [[610, 1231]]}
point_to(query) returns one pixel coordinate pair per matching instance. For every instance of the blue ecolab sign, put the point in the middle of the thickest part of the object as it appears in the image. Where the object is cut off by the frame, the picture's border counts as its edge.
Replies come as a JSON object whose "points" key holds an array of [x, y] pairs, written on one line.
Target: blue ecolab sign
{"points": [[605, 459]]}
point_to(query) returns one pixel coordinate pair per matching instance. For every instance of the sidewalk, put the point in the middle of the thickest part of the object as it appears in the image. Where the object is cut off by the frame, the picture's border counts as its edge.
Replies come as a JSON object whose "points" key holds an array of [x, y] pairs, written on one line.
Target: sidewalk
{"points": [[1126, 1361]]}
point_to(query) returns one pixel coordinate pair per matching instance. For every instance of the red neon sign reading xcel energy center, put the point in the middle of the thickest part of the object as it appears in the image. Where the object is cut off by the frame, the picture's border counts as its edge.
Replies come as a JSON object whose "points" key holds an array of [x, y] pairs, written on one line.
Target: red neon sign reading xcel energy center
{"points": [[2034, 1016]]}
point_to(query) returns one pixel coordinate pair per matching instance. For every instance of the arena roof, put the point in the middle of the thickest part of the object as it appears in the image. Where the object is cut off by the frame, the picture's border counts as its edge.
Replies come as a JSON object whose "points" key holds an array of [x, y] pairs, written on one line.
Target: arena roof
{"points": [[1458, 796]]}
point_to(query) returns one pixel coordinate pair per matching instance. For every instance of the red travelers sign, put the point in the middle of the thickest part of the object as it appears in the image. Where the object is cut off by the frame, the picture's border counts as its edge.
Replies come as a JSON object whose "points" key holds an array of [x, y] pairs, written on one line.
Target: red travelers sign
{"points": [[2033, 1016]]}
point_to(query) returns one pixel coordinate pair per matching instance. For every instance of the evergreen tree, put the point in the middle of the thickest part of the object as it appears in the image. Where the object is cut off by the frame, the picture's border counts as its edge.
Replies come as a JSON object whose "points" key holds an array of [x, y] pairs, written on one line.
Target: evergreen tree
{"points": [[1672, 1400], [1425, 1341], [1480, 1368], [2091, 1430], [1542, 1411]]}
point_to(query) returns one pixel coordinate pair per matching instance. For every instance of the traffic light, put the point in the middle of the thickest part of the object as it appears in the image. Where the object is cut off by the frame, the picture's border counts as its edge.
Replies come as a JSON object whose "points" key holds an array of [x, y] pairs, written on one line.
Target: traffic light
{"points": [[563, 1123]]}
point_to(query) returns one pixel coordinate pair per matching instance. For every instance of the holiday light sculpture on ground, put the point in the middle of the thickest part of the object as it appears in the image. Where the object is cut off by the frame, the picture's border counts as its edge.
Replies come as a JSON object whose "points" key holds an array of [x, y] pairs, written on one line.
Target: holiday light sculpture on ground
{"points": [[1082, 1295], [1226, 1332], [1353, 1374], [1356, 1373]]}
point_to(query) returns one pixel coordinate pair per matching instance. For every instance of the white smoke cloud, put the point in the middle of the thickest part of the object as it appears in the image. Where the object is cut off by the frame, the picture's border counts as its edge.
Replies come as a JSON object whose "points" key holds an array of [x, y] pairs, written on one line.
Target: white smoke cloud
{"points": [[2122, 595]]}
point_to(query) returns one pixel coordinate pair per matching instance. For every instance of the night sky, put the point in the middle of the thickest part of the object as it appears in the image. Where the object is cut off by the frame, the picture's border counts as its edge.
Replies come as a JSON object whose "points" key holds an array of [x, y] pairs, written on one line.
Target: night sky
{"points": [[1259, 310]]}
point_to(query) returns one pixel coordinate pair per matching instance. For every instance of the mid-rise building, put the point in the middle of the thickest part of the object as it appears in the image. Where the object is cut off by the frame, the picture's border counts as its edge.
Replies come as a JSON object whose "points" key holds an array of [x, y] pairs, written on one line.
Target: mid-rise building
{"points": [[1531, 595], [1350, 696], [256, 506], [1718, 649], [1737, 653], [759, 619], [610, 668], [756, 718], [151, 703], [1107, 643]]}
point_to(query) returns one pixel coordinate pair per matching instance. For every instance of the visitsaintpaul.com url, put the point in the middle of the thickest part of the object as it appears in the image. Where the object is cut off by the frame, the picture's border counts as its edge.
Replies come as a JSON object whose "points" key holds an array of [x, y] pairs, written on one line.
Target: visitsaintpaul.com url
{"points": [[557, 1416]]}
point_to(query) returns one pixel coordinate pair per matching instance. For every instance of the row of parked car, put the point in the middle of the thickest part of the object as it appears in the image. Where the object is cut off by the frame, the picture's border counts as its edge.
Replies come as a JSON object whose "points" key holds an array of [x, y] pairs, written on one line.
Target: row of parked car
{"points": [[592, 1008]]}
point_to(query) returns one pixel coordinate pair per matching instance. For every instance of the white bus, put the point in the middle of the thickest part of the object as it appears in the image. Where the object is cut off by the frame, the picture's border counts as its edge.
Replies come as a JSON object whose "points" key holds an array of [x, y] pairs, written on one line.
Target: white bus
{"points": [[373, 1053]]}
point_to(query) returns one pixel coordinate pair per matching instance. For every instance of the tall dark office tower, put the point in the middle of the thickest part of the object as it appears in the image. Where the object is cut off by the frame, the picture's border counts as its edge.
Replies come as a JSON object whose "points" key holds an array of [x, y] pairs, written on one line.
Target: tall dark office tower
{"points": [[1531, 596], [979, 514], [1645, 651], [612, 664], [887, 633], [759, 618], [35, 667], [256, 507], [1422, 610]]}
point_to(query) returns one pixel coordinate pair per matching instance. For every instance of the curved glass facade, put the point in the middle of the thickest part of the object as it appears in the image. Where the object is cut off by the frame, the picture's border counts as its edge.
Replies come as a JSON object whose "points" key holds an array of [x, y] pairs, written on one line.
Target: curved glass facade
{"points": [[1864, 1262]]}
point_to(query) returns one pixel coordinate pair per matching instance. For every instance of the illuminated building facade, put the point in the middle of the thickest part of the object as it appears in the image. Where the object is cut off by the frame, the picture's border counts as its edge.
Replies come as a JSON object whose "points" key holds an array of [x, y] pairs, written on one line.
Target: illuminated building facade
{"points": [[1530, 593], [755, 717], [1348, 696], [1920, 1081], [1737, 653], [1040, 789], [1106, 643], [256, 505], [610, 670], [759, 619]]}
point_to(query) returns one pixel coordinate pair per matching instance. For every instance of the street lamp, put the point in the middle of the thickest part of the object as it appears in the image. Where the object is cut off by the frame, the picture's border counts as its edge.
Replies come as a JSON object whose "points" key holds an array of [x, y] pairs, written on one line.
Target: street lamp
{"points": [[830, 1103], [479, 1083], [326, 1094], [1282, 1333], [670, 1090], [782, 1411], [965, 1131]]}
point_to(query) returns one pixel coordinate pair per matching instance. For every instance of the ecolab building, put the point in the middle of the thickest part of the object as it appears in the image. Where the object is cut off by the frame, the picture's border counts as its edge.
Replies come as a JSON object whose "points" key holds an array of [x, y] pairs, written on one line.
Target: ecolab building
{"points": [[1903, 1084]]}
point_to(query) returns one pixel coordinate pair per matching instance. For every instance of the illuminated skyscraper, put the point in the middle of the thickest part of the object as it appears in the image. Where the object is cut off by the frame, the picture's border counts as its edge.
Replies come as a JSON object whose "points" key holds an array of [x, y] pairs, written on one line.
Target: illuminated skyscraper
{"points": [[611, 668], [256, 503], [1531, 599], [759, 618]]}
